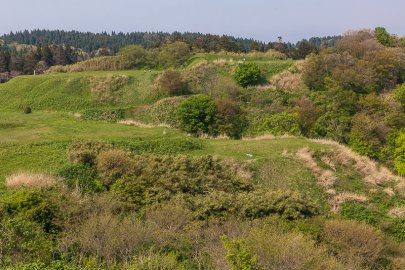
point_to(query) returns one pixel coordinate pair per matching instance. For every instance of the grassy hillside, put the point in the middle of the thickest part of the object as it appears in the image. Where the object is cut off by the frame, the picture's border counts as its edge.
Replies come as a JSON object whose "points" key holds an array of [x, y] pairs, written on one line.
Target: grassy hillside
{"points": [[78, 91]]}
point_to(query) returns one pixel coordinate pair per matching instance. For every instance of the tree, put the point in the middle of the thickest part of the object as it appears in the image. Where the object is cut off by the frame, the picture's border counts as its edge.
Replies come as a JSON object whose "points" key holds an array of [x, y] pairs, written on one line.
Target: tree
{"points": [[197, 114], [171, 83], [247, 74], [4, 61], [134, 56], [383, 36], [229, 118]]}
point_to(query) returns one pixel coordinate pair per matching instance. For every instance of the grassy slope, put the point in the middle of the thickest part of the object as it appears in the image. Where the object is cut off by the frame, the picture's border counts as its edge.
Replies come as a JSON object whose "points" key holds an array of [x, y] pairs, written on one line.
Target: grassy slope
{"points": [[73, 91]]}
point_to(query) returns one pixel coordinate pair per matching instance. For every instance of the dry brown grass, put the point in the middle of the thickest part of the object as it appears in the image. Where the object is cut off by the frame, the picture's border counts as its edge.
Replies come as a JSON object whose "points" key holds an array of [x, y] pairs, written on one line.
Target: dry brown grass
{"points": [[373, 172], [30, 180], [264, 137], [326, 179], [289, 80], [389, 191], [397, 212], [132, 122]]}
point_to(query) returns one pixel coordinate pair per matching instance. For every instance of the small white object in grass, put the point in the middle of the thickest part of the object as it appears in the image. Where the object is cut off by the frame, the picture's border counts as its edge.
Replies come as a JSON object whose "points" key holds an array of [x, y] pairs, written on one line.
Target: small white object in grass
{"points": [[249, 155]]}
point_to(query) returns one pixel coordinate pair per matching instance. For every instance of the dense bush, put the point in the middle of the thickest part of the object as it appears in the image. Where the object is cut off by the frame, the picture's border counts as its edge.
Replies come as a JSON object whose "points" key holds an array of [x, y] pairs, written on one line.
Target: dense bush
{"points": [[399, 162], [399, 94], [27, 110], [168, 55], [229, 118], [354, 241], [197, 114], [274, 248], [107, 115], [171, 83], [85, 152], [158, 178], [280, 124], [23, 241], [247, 74], [164, 146], [253, 205], [80, 177], [113, 164]]}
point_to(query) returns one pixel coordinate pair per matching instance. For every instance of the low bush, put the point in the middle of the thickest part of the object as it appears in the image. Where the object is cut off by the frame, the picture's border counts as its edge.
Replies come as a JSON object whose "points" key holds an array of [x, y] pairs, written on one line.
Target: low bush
{"points": [[31, 205], [161, 146], [23, 241], [274, 248], [354, 241], [280, 124], [27, 110], [159, 178], [80, 177], [108, 238], [253, 205], [113, 164], [112, 115], [171, 83], [85, 152]]}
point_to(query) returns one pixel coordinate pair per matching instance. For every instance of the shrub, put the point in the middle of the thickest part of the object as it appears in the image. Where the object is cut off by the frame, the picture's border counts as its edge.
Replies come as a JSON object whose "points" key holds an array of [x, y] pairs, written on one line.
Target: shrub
{"points": [[280, 124], [80, 177], [354, 241], [229, 118], [399, 94], [27, 110], [197, 114], [133, 56], [164, 146], [113, 164], [159, 178], [163, 112], [31, 205], [152, 261], [23, 241], [274, 248], [253, 205], [399, 162], [238, 255], [109, 238], [85, 152], [247, 74], [171, 83], [107, 115]]}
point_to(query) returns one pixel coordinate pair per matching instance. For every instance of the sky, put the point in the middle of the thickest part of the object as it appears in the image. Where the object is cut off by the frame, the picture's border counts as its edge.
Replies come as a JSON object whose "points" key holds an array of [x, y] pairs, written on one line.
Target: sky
{"points": [[263, 20]]}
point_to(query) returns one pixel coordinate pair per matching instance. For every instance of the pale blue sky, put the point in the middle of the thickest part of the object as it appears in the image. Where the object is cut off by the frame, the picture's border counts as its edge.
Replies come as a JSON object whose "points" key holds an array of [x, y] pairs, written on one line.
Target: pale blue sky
{"points": [[259, 19]]}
